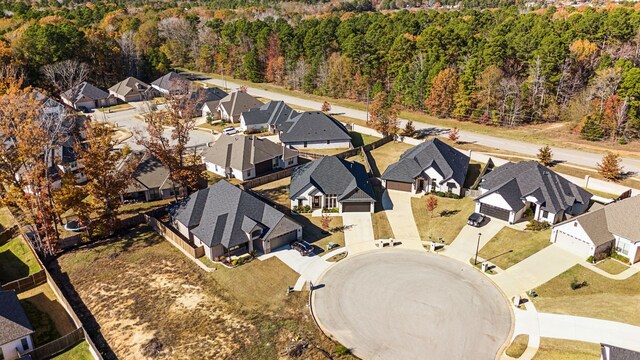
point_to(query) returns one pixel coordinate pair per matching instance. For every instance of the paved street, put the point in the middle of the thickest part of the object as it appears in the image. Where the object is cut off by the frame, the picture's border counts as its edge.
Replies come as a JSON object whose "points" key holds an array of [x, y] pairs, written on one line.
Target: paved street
{"points": [[573, 156], [127, 120], [405, 304]]}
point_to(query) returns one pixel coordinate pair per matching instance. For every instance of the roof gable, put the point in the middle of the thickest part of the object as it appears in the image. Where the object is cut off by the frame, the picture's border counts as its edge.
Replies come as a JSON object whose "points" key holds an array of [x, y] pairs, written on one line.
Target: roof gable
{"points": [[243, 152], [312, 126], [14, 323]]}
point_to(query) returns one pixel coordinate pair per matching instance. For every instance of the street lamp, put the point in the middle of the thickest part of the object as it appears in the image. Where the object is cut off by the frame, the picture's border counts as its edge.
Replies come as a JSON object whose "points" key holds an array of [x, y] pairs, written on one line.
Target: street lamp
{"points": [[475, 261]]}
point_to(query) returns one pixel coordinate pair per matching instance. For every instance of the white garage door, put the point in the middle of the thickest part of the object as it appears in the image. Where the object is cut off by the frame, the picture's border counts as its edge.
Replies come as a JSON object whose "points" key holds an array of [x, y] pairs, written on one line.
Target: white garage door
{"points": [[573, 244]]}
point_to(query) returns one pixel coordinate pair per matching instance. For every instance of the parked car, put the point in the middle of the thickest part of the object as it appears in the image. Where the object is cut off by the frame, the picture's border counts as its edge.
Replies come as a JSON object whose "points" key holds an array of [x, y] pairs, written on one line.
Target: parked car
{"points": [[230, 130], [303, 247], [475, 219]]}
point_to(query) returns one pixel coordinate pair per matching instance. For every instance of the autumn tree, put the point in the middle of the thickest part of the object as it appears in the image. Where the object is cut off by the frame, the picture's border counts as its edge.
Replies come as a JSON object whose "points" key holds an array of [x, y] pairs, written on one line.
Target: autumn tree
{"points": [[383, 114], [611, 166], [325, 222], [107, 172], [409, 129], [443, 89], [487, 85], [71, 196], [454, 135], [431, 203], [325, 106], [545, 155]]}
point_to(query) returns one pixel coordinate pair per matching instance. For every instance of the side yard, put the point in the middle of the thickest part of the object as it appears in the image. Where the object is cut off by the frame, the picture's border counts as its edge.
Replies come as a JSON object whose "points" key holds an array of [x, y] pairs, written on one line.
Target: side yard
{"points": [[16, 260], [447, 219], [149, 300], [560, 349], [510, 246], [601, 298]]}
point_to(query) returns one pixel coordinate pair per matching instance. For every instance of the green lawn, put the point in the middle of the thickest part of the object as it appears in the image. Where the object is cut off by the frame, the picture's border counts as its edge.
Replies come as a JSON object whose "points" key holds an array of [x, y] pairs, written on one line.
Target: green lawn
{"points": [[16, 260], [612, 266], [594, 300], [448, 218], [559, 349], [78, 352], [511, 246], [358, 139], [518, 346], [312, 231]]}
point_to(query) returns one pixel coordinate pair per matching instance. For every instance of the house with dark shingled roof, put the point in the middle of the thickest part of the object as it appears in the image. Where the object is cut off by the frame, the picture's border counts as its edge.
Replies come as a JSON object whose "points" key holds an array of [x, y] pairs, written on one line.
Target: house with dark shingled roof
{"points": [[507, 192], [15, 328], [229, 221]]}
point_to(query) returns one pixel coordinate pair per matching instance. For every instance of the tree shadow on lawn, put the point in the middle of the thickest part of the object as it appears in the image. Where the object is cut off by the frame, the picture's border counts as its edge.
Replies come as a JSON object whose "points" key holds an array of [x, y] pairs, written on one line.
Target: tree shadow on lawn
{"points": [[12, 267]]}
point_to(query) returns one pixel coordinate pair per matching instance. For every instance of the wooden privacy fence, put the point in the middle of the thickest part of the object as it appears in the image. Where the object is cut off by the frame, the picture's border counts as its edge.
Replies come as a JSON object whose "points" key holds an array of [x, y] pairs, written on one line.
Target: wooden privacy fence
{"points": [[56, 346], [169, 233], [351, 152], [26, 283], [255, 182]]}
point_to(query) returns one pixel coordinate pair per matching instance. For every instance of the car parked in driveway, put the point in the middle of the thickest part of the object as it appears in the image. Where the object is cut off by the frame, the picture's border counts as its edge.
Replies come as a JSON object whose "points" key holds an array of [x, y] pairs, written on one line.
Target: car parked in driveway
{"points": [[303, 247], [475, 219], [230, 130]]}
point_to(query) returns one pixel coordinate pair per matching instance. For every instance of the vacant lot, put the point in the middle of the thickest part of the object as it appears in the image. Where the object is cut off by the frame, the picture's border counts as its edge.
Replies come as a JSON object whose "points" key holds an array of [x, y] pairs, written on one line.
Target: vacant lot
{"points": [[510, 246], [447, 220], [594, 300], [559, 349], [150, 301]]}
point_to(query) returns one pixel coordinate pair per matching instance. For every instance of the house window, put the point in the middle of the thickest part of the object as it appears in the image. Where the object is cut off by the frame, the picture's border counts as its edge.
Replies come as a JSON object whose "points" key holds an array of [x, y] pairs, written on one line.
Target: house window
{"points": [[328, 142], [25, 344], [305, 144], [330, 202], [623, 248], [256, 233], [545, 214], [450, 186], [433, 184], [300, 202]]}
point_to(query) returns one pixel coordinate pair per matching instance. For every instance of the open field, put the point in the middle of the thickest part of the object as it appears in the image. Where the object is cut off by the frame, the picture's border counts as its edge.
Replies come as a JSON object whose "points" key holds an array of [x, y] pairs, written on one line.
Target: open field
{"points": [[559, 349], [510, 246], [145, 295], [595, 300], [16, 260], [448, 218]]}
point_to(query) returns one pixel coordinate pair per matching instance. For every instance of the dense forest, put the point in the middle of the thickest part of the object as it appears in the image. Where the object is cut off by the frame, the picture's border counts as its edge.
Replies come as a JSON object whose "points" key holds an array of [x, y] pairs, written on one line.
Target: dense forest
{"points": [[504, 67]]}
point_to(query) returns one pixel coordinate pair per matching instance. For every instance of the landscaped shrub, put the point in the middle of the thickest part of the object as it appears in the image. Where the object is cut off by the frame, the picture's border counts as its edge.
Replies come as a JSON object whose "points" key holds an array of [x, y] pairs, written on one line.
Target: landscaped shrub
{"points": [[330, 210], [342, 350], [619, 257], [575, 284], [591, 259], [535, 225], [302, 209], [601, 256], [443, 194], [254, 131], [528, 213]]}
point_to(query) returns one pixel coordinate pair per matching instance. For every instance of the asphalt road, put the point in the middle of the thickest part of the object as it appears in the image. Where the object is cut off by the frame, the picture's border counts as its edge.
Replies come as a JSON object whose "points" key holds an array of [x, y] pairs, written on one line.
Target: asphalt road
{"points": [[126, 119], [405, 304], [560, 154]]}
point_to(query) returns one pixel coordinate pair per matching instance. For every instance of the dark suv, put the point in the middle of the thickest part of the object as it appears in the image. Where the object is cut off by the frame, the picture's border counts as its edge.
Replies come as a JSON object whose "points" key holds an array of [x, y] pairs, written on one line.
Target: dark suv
{"points": [[475, 219], [303, 247]]}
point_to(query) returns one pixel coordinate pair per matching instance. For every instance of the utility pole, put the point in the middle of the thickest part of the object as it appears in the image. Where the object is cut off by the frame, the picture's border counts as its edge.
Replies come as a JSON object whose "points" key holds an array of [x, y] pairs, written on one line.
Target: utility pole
{"points": [[367, 106], [475, 260]]}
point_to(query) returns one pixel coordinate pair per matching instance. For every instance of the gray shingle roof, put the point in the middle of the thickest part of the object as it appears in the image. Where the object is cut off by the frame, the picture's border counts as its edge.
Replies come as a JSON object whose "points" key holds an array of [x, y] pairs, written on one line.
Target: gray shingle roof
{"points": [[150, 174], [206, 95], [219, 213], [243, 152], [238, 102], [531, 178], [129, 86], [87, 90], [449, 162], [312, 126], [610, 352], [14, 323], [172, 81], [271, 113], [333, 176]]}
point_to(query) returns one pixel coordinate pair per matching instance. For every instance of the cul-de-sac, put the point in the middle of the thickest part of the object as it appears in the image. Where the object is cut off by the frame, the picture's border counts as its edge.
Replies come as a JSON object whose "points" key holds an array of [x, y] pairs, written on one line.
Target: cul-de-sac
{"points": [[336, 179]]}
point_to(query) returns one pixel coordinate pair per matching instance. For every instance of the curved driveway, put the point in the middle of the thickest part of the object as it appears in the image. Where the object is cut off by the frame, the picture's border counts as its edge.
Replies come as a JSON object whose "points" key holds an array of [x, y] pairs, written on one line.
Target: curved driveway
{"points": [[405, 304]]}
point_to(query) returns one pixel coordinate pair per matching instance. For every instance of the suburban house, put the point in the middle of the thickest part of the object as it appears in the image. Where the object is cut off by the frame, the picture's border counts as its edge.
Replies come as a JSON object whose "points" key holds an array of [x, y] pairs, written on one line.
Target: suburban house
{"points": [[332, 183], [172, 83], [87, 96], [313, 129], [429, 167], [15, 328], [131, 89], [267, 116], [231, 106], [246, 157], [596, 232], [507, 192], [229, 221], [611, 352], [203, 96], [151, 182]]}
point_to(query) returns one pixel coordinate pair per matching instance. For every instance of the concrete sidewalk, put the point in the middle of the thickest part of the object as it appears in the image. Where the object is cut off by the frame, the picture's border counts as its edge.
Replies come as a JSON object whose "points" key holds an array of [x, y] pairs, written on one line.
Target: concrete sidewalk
{"points": [[309, 267], [536, 270]]}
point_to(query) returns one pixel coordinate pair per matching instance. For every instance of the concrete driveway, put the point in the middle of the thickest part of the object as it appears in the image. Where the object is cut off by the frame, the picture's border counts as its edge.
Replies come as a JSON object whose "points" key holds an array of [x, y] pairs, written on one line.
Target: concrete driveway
{"points": [[463, 247], [406, 304], [358, 232], [309, 267], [536, 270], [397, 205]]}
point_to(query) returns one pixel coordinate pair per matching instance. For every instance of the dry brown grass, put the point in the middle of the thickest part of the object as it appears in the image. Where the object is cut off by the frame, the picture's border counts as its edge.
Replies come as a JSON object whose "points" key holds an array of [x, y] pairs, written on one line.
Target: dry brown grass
{"points": [[559, 349], [594, 300], [387, 154], [276, 191], [511, 246], [612, 266], [448, 218], [518, 346], [140, 288]]}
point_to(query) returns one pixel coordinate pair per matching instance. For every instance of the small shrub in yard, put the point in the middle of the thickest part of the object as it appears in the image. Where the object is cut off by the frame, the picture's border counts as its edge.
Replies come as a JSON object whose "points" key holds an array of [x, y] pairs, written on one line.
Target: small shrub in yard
{"points": [[591, 259], [330, 210], [575, 284], [302, 209], [619, 257], [342, 350], [535, 225]]}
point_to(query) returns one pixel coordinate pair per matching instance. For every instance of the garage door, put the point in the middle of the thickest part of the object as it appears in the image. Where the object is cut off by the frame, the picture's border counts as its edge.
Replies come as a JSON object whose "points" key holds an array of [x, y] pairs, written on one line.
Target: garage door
{"points": [[264, 167], [356, 207], [573, 244], [494, 212], [282, 240], [397, 185]]}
